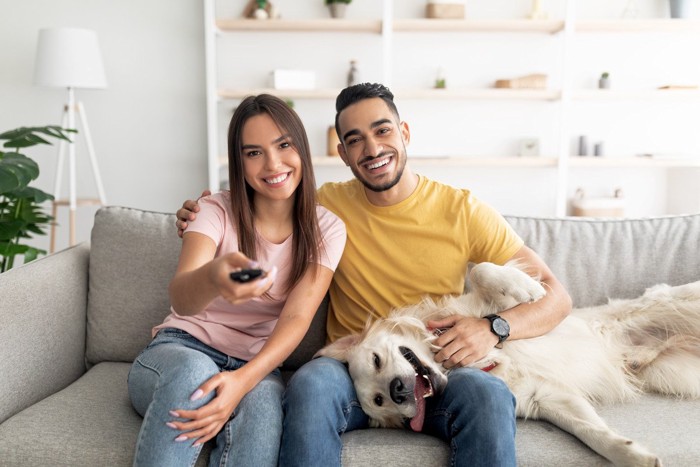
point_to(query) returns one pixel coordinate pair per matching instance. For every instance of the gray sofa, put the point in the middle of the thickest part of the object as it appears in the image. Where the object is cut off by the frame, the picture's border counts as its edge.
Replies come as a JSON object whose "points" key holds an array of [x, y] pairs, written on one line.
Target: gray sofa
{"points": [[71, 323]]}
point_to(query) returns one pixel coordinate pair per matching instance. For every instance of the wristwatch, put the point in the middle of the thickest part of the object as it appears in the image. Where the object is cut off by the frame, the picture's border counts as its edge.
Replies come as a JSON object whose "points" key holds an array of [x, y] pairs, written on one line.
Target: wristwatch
{"points": [[499, 326]]}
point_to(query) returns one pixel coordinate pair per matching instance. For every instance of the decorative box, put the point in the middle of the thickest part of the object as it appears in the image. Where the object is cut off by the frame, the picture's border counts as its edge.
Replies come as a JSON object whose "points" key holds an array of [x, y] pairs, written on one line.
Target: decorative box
{"points": [[293, 79], [445, 10]]}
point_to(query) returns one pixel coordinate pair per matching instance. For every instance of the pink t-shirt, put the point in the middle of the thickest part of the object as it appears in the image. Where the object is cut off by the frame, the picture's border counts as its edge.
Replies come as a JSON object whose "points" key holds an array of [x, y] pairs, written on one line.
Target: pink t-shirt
{"points": [[241, 330]]}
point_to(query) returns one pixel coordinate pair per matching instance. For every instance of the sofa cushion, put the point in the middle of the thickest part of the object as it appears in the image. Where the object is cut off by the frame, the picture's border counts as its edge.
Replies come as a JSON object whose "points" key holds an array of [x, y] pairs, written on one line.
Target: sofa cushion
{"points": [[597, 259], [133, 256], [92, 422], [89, 423]]}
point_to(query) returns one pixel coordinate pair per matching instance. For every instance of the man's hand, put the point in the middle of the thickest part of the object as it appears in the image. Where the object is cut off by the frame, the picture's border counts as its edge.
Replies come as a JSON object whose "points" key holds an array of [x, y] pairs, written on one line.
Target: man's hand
{"points": [[188, 212], [465, 341], [206, 422]]}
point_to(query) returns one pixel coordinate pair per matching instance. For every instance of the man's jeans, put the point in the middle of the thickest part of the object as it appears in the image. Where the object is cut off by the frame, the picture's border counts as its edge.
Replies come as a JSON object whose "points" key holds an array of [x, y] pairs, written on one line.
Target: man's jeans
{"points": [[163, 378], [475, 414]]}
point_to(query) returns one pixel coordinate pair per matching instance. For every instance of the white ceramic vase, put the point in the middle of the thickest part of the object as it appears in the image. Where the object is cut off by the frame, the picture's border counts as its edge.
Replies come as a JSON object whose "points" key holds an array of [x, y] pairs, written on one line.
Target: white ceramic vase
{"points": [[337, 10], [680, 8]]}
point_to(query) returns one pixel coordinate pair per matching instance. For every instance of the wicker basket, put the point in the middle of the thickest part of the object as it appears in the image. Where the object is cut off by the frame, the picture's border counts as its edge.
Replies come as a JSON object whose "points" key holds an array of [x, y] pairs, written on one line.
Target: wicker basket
{"points": [[598, 207]]}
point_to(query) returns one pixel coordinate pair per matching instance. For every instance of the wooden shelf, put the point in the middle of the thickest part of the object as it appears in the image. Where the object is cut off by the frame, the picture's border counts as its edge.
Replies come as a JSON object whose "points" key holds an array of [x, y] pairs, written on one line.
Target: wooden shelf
{"points": [[552, 26], [469, 25], [476, 93], [638, 25], [431, 94], [289, 25], [399, 25], [458, 161], [284, 93], [538, 162], [633, 162], [642, 94]]}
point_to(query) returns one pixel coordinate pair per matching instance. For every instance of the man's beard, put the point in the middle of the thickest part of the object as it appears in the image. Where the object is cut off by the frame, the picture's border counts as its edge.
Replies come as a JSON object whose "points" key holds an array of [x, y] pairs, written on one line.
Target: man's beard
{"points": [[401, 162]]}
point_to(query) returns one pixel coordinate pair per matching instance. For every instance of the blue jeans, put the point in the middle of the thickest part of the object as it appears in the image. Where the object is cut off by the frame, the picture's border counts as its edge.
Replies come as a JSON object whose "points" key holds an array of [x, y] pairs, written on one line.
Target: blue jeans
{"points": [[475, 414], [164, 376]]}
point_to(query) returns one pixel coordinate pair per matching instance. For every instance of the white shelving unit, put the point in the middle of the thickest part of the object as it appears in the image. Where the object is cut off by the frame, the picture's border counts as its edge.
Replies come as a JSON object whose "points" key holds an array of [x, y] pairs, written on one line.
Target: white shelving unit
{"points": [[389, 31]]}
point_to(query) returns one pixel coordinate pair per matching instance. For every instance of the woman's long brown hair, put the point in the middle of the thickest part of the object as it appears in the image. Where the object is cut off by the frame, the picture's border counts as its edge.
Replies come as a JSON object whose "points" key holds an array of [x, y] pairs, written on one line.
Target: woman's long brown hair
{"points": [[306, 234]]}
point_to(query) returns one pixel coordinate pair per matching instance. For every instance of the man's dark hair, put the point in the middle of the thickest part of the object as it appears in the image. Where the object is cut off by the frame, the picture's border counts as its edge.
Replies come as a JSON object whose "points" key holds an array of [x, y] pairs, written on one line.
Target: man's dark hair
{"points": [[358, 92]]}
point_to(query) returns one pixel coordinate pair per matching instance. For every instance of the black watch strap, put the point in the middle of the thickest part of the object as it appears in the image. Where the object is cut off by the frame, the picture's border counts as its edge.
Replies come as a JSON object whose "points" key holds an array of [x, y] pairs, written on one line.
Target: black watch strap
{"points": [[499, 326]]}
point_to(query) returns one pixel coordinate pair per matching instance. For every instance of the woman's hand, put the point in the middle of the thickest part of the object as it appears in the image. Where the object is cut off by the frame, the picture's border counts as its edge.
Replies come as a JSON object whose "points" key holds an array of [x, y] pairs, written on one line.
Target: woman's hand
{"points": [[206, 422], [236, 292]]}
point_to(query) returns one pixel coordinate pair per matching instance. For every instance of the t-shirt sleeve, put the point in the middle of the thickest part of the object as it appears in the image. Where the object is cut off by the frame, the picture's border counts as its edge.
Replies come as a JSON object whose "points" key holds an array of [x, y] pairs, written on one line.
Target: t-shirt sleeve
{"points": [[333, 236], [491, 237], [210, 221]]}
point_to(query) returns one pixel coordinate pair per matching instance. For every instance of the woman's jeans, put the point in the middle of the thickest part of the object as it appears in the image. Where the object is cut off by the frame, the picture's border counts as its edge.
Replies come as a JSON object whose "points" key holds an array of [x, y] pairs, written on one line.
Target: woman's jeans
{"points": [[475, 414], [163, 378]]}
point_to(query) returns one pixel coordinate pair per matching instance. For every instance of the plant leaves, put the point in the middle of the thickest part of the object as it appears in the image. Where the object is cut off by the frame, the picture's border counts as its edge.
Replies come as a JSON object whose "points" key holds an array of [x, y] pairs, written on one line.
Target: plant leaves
{"points": [[12, 249], [8, 180], [32, 193], [26, 136], [21, 213], [25, 141], [10, 229], [23, 168], [32, 254]]}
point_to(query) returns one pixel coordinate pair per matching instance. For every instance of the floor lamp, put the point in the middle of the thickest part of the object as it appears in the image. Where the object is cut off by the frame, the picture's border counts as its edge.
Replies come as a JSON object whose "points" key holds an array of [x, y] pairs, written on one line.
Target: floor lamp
{"points": [[70, 58]]}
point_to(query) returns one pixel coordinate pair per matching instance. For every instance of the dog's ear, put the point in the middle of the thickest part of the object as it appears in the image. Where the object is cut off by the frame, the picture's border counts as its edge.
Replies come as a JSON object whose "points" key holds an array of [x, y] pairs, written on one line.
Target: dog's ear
{"points": [[339, 349]]}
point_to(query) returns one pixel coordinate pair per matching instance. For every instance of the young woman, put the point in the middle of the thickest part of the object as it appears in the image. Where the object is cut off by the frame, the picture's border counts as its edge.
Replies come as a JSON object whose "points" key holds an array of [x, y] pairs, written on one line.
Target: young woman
{"points": [[212, 368]]}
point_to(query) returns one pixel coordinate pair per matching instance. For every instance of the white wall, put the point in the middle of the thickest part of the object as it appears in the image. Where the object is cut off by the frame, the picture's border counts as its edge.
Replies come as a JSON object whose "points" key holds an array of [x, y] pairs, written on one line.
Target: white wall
{"points": [[148, 126]]}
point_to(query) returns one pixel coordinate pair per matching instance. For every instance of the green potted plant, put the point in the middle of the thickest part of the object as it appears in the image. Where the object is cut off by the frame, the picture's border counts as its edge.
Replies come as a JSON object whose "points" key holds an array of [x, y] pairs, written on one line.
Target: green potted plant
{"points": [[337, 7], [21, 214]]}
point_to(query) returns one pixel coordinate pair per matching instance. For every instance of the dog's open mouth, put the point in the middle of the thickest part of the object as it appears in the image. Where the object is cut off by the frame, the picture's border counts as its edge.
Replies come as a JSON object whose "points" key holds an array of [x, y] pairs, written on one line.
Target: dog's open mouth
{"points": [[422, 389]]}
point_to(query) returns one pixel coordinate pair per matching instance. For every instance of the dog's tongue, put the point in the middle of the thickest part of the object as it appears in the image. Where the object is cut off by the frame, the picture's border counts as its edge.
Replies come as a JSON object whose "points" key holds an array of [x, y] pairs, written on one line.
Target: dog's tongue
{"points": [[420, 389]]}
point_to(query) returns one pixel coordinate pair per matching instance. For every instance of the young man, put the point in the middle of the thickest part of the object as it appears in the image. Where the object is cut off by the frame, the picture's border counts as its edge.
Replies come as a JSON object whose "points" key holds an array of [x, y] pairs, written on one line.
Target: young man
{"points": [[408, 237]]}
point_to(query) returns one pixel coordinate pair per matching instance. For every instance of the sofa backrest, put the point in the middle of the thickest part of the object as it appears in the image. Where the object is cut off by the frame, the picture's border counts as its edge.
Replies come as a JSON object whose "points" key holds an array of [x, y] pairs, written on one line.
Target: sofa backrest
{"points": [[133, 255], [597, 259]]}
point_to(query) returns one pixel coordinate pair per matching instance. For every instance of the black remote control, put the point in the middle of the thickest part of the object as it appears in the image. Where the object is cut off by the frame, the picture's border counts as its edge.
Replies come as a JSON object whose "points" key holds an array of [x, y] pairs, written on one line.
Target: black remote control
{"points": [[246, 275]]}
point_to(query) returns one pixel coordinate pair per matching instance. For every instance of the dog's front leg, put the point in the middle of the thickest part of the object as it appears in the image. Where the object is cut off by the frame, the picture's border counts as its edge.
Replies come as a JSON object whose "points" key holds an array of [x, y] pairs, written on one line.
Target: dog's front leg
{"points": [[503, 287], [577, 416]]}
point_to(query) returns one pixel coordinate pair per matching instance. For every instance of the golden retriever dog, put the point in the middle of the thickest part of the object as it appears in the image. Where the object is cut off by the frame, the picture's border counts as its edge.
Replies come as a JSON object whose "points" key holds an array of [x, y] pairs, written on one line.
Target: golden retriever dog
{"points": [[610, 353]]}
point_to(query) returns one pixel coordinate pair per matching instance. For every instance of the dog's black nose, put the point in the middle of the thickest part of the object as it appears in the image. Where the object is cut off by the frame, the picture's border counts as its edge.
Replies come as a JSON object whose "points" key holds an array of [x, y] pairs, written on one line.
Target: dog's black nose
{"points": [[399, 392]]}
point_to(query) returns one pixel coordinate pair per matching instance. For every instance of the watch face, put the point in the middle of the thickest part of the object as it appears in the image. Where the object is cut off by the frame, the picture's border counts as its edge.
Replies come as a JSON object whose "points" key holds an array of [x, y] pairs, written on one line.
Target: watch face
{"points": [[501, 327]]}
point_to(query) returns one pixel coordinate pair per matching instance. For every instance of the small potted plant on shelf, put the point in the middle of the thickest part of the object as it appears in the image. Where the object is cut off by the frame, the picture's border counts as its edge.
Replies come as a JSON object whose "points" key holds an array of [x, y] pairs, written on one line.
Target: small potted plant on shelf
{"points": [[260, 9], [337, 7], [604, 81]]}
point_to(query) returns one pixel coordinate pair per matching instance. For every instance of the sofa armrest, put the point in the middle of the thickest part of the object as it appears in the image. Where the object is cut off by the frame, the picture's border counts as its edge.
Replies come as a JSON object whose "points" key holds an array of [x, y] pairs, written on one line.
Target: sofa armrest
{"points": [[42, 327]]}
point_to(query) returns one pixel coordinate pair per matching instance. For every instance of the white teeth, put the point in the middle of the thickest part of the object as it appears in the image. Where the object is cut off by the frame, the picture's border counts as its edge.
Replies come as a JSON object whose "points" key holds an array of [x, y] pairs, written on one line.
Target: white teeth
{"points": [[378, 164], [279, 178]]}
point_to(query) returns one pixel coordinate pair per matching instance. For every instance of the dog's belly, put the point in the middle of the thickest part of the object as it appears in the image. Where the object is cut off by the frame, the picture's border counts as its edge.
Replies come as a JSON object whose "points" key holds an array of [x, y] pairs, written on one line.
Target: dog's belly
{"points": [[571, 355]]}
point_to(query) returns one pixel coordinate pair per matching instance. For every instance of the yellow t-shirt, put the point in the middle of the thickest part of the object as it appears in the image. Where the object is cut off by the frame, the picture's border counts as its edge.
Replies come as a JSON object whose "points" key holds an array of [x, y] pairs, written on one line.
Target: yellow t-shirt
{"points": [[396, 255]]}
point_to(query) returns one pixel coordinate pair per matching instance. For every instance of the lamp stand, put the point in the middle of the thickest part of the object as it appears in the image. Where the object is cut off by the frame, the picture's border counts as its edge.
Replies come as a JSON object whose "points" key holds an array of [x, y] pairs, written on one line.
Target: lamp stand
{"points": [[68, 121]]}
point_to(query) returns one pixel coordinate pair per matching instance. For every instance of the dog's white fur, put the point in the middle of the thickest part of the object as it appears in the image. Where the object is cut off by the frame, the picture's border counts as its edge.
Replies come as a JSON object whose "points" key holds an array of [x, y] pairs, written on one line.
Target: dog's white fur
{"points": [[602, 354]]}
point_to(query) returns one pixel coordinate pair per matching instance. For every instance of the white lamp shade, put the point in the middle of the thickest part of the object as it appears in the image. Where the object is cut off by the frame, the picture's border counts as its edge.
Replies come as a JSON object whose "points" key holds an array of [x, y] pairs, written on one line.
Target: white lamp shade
{"points": [[69, 58]]}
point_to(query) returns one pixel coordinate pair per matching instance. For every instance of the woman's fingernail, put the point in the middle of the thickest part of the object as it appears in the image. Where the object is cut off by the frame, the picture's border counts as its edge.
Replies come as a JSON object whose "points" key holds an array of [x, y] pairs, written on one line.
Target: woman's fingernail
{"points": [[197, 443], [253, 264], [171, 425], [181, 438], [196, 395], [174, 414]]}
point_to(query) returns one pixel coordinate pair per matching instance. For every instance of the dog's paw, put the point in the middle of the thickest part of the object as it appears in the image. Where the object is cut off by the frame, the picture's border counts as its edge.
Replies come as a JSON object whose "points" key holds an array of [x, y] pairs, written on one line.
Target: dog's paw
{"points": [[505, 286]]}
